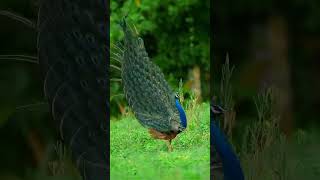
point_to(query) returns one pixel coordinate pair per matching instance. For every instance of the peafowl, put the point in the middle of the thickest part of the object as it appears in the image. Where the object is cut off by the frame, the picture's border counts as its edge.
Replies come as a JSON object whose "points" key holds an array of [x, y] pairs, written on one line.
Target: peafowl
{"points": [[73, 39], [230, 168], [148, 94]]}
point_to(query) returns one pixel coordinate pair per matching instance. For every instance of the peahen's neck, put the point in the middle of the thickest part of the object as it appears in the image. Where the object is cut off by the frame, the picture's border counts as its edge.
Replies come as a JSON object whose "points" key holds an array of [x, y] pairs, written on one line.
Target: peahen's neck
{"points": [[183, 118], [231, 165]]}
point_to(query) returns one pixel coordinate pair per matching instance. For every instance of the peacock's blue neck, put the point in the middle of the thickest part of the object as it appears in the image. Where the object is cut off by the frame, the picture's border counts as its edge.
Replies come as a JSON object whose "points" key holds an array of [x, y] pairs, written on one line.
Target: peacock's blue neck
{"points": [[183, 118], [231, 165]]}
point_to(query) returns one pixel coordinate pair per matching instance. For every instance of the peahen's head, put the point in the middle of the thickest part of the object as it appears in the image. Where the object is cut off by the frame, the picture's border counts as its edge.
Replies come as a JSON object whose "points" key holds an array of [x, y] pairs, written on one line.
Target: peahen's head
{"points": [[182, 114]]}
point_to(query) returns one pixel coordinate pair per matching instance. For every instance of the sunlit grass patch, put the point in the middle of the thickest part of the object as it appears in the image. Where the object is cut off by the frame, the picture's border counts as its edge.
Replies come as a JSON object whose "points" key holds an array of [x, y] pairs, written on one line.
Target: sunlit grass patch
{"points": [[135, 155]]}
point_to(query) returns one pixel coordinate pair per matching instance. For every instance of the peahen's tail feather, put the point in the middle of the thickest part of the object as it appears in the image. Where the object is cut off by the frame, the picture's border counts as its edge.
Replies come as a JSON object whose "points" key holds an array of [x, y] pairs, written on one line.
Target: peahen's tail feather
{"points": [[72, 44]]}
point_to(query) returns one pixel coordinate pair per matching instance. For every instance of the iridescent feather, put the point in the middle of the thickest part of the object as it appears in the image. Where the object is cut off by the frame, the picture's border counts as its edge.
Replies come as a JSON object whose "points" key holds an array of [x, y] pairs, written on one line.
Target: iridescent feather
{"points": [[147, 92]]}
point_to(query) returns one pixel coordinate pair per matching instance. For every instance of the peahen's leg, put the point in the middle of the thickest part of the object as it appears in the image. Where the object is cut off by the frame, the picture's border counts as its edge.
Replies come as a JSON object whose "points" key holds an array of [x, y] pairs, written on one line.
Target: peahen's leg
{"points": [[170, 148]]}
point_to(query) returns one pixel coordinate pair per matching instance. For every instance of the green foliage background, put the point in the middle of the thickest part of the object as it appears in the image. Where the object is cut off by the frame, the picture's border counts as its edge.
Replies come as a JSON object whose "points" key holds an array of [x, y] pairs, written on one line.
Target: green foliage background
{"points": [[176, 36]]}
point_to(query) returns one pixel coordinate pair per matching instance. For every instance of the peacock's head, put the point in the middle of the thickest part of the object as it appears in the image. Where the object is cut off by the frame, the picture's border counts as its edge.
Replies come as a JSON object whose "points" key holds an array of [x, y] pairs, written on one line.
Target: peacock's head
{"points": [[217, 110]]}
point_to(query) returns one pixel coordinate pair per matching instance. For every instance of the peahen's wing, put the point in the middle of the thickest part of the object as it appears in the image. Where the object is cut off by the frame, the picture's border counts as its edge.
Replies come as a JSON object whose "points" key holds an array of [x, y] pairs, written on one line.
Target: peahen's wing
{"points": [[72, 44], [146, 90]]}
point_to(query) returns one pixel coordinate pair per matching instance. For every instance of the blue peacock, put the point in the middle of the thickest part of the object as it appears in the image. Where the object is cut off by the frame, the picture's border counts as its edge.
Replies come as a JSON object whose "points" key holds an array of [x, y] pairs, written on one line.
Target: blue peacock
{"points": [[148, 94], [229, 168]]}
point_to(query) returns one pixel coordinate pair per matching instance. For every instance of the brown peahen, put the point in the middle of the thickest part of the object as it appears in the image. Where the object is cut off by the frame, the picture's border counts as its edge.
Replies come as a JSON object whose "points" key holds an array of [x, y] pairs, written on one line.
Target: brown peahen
{"points": [[148, 94], [72, 48]]}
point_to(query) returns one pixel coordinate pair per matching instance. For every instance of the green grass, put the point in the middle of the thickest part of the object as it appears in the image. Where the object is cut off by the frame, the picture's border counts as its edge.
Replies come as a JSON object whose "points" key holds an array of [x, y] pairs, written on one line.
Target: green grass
{"points": [[286, 159], [135, 155]]}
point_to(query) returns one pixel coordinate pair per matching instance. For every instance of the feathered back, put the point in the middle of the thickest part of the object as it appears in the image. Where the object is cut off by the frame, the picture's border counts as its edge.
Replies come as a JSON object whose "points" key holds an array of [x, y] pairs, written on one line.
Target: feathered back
{"points": [[145, 87], [72, 45]]}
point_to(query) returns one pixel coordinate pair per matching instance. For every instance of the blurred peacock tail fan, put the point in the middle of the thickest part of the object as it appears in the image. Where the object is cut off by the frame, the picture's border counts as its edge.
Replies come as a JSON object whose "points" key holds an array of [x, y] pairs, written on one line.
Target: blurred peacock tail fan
{"points": [[72, 47], [146, 90]]}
